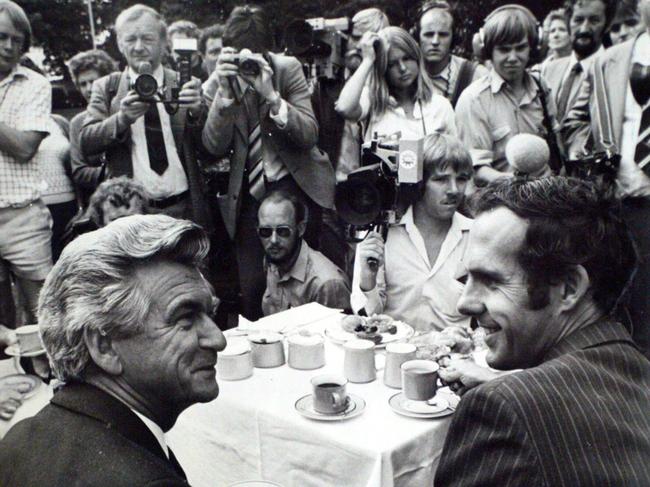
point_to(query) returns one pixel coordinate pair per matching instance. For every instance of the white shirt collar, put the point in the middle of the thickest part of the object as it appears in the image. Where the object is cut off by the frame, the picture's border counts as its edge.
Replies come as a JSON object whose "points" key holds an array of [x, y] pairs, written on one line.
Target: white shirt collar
{"points": [[155, 430], [586, 62]]}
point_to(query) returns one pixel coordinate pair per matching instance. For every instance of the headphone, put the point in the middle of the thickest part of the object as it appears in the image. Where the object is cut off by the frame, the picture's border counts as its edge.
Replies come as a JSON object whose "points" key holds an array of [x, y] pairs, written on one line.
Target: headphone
{"points": [[428, 6], [536, 46]]}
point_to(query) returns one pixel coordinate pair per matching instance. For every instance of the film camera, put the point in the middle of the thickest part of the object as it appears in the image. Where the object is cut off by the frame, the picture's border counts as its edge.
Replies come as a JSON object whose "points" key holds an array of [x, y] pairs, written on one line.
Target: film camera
{"points": [[600, 166], [319, 43], [247, 67], [146, 86], [389, 179]]}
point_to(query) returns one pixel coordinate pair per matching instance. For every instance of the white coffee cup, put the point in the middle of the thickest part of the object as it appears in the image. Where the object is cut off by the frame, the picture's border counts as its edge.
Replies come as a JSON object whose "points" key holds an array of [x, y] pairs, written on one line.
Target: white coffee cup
{"points": [[306, 352], [268, 349], [359, 361], [396, 355], [235, 362], [419, 379], [329, 394], [28, 339]]}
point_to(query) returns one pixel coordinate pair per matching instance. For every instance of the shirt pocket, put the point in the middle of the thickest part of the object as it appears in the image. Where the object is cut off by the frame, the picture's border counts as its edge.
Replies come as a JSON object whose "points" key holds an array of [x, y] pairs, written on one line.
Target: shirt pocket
{"points": [[500, 137]]}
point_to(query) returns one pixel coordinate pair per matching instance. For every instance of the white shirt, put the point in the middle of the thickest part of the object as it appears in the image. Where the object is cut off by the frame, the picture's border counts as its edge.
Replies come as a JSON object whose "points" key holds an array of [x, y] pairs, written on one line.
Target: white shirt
{"points": [[628, 170], [436, 115], [408, 288], [585, 63], [173, 181], [155, 430]]}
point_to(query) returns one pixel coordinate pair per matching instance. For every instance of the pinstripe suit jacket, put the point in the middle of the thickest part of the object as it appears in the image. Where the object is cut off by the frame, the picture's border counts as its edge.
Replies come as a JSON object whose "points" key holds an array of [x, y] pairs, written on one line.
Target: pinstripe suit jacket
{"points": [[581, 418]]}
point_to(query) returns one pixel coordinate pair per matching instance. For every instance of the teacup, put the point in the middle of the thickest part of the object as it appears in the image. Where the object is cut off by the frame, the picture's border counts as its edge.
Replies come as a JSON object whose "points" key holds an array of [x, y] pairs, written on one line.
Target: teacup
{"points": [[306, 352], [396, 355], [268, 349], [359, 361], [330, 396], [419, 379], [235, 362], [28, 339]]}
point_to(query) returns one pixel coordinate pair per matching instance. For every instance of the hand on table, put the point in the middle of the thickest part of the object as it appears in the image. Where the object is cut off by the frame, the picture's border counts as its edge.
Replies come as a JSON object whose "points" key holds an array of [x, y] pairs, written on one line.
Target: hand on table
{"points": [[462, 374]]}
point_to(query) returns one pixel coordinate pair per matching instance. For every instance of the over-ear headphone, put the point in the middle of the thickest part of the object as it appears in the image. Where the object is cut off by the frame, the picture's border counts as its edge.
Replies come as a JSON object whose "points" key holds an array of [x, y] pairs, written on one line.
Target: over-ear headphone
{"points": [[429, 5], [535, 48]]}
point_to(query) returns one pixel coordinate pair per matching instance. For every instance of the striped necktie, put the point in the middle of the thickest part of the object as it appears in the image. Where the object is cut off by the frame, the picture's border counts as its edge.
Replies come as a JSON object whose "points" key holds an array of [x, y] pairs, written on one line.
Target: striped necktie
{"points": [[254, 161], [642, 153]]}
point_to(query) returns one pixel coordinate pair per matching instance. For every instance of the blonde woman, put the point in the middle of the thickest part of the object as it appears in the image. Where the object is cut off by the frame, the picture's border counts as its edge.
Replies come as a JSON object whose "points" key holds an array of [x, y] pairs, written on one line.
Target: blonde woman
{"points": [[389, 93]]}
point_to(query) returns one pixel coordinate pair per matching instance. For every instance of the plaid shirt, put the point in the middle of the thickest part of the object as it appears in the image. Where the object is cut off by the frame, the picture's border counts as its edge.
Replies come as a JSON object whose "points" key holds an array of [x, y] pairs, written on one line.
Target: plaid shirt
{"points": [[25, 104]]}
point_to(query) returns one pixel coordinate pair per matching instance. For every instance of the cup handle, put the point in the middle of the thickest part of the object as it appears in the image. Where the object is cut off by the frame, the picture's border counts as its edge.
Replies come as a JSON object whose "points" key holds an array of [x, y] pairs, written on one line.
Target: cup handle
{"points": [[339, 399]]}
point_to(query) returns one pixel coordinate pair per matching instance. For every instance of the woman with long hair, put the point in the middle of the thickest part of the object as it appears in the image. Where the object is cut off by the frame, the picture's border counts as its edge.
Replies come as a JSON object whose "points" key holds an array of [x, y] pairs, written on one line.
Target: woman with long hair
{"points": [[388, 92]]}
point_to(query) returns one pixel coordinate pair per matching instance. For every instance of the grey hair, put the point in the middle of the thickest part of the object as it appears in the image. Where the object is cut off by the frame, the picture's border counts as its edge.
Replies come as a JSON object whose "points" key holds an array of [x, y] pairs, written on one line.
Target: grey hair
{"points": [[92, 286], [134, 13]]}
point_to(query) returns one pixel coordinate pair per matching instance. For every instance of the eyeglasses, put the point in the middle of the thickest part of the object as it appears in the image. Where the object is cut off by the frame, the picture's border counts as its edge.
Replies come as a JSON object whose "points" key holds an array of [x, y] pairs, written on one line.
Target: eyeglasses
{"points": [[283, 231]]}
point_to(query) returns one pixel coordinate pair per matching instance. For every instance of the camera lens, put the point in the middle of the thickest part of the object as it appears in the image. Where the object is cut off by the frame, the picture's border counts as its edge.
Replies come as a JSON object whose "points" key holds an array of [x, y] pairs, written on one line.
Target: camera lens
{"points": [[145, 86], [248, 67]]}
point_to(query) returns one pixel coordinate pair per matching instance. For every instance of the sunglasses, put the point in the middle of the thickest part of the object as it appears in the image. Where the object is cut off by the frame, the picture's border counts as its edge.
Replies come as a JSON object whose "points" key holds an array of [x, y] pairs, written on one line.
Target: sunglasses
{"points": [[615, 28], [283, 231]]}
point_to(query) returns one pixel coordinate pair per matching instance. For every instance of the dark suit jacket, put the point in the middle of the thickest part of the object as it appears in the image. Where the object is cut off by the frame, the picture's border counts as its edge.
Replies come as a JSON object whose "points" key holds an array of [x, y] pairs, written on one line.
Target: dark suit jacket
{"points": [[87, 172], [581, 122], [226, 134], [100, 134], [581, 418], [85, 437], [554, 73]]}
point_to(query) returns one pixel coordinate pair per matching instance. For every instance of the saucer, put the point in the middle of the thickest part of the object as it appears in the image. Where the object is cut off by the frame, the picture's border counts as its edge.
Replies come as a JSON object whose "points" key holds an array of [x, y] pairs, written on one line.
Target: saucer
{"points": [[14, 351], [305, 406], [438, 407], [11, 381]]}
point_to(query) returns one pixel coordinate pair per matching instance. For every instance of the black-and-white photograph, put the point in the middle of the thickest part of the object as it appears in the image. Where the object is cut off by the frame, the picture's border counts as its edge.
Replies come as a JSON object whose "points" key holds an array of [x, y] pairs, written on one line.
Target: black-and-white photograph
{"points": [[324, 243]]}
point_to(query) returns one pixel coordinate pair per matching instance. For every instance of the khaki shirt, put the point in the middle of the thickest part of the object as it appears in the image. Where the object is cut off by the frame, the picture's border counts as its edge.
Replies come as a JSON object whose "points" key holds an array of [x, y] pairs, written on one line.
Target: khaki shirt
{"points": [[488, 115]]}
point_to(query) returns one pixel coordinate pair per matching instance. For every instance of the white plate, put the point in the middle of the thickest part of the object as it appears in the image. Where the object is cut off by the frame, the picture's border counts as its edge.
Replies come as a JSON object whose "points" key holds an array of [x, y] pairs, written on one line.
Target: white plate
{"points": [[399, 404], [305, 406], [14, 351], [337, 334]]}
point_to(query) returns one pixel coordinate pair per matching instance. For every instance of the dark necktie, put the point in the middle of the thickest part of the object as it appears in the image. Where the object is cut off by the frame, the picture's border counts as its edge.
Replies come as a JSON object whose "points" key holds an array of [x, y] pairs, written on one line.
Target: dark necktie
{"points": [[155, 140], [254, 161], [565, 93]]}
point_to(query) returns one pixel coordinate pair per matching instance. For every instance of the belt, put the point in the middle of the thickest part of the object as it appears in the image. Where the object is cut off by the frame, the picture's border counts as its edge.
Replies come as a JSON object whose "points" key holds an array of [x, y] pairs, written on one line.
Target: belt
{"points": [[167, 202]]}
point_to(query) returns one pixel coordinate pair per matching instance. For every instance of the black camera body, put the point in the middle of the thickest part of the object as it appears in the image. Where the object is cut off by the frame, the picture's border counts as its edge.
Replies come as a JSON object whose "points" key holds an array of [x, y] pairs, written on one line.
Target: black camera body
{"points": [[145, 85], [601, 166], [320, 44], [247, 66], [388, 181]]}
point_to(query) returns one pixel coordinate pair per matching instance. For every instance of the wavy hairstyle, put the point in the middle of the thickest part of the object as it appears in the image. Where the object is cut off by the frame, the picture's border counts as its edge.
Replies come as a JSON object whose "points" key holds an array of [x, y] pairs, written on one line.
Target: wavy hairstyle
{"points": [[378, 86], [94, 284]]}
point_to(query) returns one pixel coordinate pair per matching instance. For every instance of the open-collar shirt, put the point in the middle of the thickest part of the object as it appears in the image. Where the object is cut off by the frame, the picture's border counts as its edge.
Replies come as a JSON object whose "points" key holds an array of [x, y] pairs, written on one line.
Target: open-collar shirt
{"points": [[408, 288]]}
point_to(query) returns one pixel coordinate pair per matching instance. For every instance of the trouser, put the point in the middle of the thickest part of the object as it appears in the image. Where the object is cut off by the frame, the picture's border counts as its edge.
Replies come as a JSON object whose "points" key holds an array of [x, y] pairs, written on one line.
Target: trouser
{"points": [[636, 212], [248, 248]]}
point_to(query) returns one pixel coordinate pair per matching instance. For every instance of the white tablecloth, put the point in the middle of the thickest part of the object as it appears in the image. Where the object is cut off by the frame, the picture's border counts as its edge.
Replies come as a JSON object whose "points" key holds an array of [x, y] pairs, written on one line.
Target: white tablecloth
{"points": [[252, 431]]}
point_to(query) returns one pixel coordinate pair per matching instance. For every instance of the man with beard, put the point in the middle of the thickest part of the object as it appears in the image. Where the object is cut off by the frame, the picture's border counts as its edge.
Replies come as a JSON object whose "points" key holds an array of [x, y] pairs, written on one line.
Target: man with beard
{"points": [[295, 273], [577, 414], [449, 74], [588, 20], [624, 72]]}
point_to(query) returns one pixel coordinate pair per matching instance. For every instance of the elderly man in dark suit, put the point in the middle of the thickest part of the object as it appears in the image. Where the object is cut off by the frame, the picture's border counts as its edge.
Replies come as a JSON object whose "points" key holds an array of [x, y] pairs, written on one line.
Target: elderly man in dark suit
{"points": [[125, 318], [262, 119], [577, 414], [140, 138]]}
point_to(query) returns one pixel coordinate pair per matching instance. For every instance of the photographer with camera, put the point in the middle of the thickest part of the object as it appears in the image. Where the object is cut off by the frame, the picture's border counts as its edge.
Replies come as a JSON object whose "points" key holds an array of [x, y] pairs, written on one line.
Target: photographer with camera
{"points": [[418, 266], [261, 117], [144, 139], [390, 90], [618, 85]]}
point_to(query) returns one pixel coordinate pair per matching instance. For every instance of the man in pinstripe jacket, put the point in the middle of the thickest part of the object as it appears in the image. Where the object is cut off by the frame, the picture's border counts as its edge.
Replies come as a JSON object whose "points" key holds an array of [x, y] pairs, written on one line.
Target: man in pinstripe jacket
{"points": [[547, 262]]}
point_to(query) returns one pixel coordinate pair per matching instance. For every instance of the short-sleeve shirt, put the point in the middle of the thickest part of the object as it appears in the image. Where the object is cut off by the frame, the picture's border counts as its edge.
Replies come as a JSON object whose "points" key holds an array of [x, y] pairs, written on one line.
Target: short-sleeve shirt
{"points": [[444, 83], [435, 115], [488, 115], [313, 278], [25, 105]]}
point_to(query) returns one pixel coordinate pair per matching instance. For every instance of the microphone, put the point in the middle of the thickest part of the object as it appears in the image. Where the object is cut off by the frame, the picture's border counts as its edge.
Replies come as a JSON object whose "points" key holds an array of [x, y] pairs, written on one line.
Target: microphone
{"points": [[528, 154], [145, 68]]}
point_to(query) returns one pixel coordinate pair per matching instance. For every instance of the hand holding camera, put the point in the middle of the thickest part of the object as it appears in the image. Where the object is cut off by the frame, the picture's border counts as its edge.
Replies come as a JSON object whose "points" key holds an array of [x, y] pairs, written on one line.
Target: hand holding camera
{"points": [[190, 95], [369, 44], [132, 107], [250, 67], [371, 256]]}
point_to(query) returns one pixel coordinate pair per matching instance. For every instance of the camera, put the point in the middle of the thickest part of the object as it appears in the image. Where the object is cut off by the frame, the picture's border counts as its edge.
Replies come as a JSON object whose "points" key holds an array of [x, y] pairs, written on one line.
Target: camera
{"points": [[145, 85], [247, 66], [390, 178], [185, 49], [601, 166], [319, 43]]}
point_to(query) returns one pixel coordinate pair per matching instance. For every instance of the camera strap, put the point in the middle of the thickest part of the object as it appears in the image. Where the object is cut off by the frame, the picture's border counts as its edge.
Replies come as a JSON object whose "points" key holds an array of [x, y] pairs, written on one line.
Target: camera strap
{"points": [[556, 160], [424, 125]]}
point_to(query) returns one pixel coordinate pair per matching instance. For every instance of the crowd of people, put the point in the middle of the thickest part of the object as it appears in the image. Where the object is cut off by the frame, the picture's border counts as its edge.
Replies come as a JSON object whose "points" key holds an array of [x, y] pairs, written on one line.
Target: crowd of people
{"points": [[129, 230]]}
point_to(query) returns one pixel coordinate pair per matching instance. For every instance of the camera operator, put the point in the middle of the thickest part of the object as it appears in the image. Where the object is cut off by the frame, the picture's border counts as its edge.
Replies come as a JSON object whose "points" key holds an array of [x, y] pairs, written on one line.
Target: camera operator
{"points": [[140, 138], [416, 279], [262, 118]]}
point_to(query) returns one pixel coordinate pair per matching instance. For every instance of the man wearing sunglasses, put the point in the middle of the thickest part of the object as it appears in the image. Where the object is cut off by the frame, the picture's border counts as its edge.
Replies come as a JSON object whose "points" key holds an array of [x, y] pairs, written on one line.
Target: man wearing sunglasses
{"points": [[295, 273]]}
